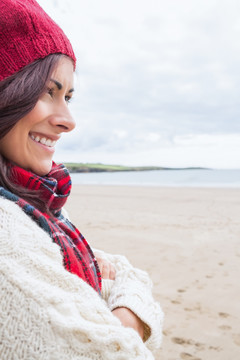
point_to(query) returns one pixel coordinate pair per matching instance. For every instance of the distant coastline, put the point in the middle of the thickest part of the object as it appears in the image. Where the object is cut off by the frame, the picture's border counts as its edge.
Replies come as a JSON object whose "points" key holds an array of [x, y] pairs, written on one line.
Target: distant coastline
{"points": [[98, 167]]}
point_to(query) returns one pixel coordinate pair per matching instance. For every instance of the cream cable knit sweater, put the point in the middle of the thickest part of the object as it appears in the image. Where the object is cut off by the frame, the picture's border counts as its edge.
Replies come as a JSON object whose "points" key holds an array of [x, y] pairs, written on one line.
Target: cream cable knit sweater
{"points": [[48, 313]]}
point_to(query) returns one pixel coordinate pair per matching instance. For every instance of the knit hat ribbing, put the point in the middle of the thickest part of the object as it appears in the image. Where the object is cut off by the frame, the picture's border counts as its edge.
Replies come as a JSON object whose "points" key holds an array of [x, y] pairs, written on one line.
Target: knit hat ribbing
{"points": [[27, 33]]}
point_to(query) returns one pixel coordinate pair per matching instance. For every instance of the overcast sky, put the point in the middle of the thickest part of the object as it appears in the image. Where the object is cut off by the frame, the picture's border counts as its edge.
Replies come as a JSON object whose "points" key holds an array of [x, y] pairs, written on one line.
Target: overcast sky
{"points": [[157, 82]]}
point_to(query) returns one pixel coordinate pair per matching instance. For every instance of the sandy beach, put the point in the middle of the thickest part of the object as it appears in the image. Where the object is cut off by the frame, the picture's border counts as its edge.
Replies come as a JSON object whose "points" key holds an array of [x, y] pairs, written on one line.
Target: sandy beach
{"points": [[188, 240]]}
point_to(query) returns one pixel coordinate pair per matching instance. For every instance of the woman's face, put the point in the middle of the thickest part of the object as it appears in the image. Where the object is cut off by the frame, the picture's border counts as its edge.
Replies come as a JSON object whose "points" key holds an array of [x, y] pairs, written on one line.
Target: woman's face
{"points": [[30, 144]]}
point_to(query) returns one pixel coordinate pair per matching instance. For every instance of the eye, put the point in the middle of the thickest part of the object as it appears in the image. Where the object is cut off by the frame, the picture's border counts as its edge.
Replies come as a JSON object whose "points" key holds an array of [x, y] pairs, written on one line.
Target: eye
{"points": [[68, 99], [50, 91]]}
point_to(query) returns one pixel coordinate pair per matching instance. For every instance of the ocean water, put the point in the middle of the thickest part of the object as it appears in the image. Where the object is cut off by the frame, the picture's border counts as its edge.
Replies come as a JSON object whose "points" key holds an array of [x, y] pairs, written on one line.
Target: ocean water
{"points": [[175, 178]]}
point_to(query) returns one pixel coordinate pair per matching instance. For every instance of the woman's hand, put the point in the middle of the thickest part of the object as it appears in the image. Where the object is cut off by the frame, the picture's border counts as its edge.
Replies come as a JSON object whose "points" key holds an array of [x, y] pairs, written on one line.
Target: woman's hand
{"points": [[125, 315], [106, 268], [129, 319]]}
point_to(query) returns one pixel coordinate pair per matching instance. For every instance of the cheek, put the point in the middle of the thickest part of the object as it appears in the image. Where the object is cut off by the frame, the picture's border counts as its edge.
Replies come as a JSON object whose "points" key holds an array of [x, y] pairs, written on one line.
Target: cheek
{"points": [[7, 144], [12, 148], [13, 145], [36, 115], [39, 113]]}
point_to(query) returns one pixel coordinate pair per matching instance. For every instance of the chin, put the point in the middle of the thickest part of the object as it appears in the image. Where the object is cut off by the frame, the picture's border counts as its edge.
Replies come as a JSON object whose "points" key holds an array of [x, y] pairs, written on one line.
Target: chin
{"points": [[42, 169]]}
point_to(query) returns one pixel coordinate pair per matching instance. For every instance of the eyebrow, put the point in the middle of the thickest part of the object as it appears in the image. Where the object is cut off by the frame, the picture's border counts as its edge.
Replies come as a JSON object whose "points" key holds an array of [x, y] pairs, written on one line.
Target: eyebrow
{"points": [[59, 85]]}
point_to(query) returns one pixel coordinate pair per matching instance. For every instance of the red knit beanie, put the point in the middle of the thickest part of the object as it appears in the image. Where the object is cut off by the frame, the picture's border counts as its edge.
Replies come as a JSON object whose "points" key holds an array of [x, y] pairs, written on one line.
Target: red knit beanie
{"points": [[27, 33]]}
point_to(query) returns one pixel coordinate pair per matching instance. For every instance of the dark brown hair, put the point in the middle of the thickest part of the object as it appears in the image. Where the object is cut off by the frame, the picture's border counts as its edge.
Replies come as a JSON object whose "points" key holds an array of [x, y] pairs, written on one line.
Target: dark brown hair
{"points": [[19, 94]]}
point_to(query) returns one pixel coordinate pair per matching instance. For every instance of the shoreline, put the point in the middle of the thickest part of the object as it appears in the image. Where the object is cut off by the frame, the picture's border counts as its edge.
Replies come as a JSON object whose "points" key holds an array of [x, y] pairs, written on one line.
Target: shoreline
{"points": [[166, 186], [187, 239], [174, 178]]}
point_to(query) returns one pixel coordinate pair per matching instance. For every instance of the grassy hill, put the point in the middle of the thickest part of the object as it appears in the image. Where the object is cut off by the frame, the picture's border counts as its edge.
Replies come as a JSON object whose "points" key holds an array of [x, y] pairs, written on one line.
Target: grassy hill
{"points": [[86, 167]]}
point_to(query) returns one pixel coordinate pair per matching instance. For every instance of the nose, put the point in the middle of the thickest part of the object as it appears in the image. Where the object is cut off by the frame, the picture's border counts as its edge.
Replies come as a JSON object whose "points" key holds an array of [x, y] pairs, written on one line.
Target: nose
{"points": [[63, 119]]}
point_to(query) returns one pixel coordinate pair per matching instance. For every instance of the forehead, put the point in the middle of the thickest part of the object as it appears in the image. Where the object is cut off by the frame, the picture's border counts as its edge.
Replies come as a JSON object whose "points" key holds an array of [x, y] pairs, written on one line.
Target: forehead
{"points": [[64, 72]]}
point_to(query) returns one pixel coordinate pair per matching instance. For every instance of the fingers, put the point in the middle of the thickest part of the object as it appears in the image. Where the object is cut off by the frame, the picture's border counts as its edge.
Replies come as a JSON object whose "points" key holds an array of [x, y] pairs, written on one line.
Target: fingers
{"points": [[106, 268], [112, 273]]}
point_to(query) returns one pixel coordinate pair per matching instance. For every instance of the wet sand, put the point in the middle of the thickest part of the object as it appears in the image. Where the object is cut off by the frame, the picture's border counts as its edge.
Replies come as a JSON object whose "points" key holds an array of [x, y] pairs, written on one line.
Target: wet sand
{"points": [[188, 240]]}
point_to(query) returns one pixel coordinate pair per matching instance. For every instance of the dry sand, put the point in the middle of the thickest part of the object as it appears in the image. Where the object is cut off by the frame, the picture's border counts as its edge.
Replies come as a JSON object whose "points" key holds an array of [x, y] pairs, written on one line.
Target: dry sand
{"points": [[189, 242]]}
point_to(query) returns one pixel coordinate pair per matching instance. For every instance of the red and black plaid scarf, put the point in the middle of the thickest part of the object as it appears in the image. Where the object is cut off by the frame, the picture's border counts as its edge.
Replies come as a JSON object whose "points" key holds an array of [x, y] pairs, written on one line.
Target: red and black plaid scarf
{"points": [[54, 188]]}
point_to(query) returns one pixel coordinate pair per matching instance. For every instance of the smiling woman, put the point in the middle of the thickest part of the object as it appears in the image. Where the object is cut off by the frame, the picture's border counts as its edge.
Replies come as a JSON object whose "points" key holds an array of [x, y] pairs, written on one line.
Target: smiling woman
{"points": [[36, 133], [58, 299], [24, 105]]}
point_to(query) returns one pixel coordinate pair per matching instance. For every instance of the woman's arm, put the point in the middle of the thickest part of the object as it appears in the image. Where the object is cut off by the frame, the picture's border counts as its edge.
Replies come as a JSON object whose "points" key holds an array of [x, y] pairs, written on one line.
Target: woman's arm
{"points": [[132, 289], [126, 316], [132, 293]]}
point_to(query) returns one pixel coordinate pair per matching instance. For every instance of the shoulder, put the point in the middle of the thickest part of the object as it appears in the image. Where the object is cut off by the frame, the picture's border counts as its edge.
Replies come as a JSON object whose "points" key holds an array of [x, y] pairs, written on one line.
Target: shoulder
{"points": [[21, 236], [14, 219], [8, 207]]}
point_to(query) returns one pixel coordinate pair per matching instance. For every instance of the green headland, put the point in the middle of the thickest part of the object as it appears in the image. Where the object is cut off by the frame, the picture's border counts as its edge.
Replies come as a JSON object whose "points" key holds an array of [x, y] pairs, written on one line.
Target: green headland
{"points": [[89, 167]]}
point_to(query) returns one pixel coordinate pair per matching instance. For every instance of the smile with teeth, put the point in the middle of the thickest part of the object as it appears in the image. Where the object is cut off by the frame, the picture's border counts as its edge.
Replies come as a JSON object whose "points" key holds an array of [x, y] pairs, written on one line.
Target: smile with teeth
{"points": [[43, 140]]}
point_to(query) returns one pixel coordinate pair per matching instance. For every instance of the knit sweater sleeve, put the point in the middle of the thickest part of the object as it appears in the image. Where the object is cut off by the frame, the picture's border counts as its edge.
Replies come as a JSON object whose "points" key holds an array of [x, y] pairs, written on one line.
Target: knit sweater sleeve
{"points": [[46, 312], [132, 289]]}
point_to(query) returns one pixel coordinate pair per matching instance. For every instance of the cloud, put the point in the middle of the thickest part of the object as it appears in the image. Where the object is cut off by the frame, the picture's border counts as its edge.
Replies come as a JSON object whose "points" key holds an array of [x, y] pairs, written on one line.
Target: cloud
{"points": [[151, 73]]}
